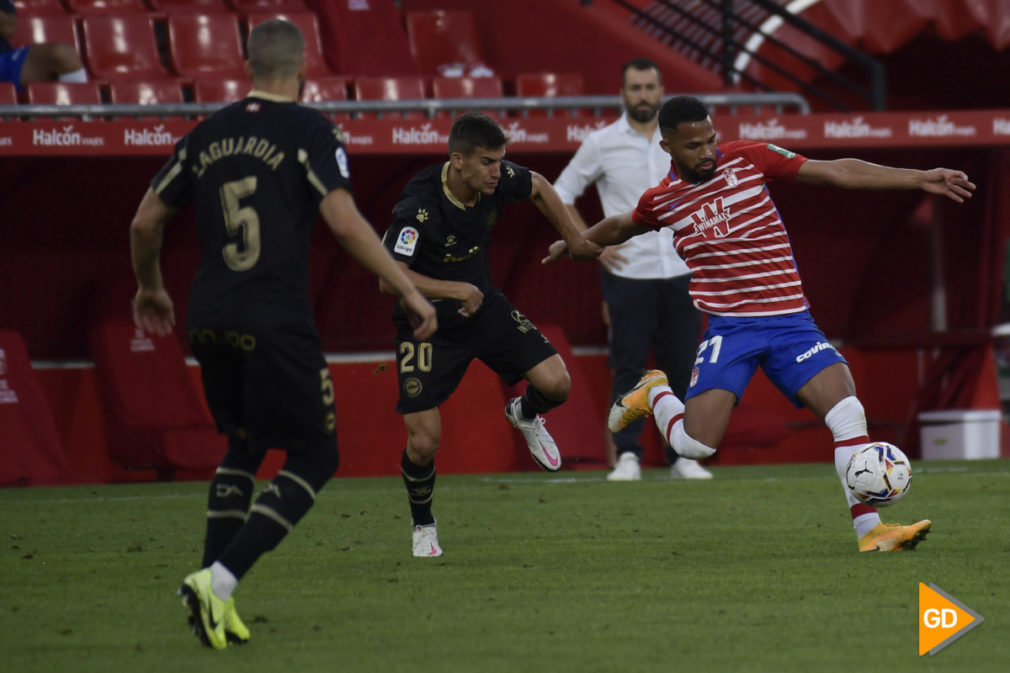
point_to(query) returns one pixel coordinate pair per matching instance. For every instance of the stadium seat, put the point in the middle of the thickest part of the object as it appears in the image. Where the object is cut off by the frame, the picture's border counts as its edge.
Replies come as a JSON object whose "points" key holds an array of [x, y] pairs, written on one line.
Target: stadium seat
{"points": [[154, 410], [220, 90], [349, 31], [315, 63], [170, 7], [326, 89], [205, 46], [8, 94], [547, 84], [267, 5], [145, 93], [32, 452], [26, 8], [440, 37], [46, 28], [63, 93], [122, 47], [106, 7], [447, 88], [391, 88]]}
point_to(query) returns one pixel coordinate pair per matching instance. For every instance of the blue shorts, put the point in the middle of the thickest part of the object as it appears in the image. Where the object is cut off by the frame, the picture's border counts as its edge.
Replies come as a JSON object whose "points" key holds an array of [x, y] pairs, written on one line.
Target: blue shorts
{"points": [[11, 63], [790, 348]]}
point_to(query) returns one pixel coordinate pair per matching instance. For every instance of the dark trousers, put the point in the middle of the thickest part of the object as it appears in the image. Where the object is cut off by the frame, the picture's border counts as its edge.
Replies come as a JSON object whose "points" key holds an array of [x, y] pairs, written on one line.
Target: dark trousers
{"points": [[649, 315]]}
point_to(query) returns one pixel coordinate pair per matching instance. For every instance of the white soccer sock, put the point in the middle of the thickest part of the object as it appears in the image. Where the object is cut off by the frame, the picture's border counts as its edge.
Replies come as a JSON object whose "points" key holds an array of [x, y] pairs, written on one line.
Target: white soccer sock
{"points": [[668, 411], [75, 76], [847, 422], [222, 581]]}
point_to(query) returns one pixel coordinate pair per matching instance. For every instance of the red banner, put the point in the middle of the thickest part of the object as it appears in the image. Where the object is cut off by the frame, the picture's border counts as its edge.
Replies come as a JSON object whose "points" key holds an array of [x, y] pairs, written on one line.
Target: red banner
{"points": [[61, 137]]}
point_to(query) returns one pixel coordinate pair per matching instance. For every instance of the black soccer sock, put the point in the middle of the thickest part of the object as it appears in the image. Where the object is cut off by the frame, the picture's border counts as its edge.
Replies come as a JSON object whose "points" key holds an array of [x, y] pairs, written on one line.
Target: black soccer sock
{"points": [[277, 510], [231, 492], [534, 402], [420, 483]]}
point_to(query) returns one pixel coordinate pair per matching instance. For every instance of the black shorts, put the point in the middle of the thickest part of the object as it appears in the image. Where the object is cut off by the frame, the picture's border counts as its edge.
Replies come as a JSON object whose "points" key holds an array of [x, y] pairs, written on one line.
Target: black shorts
{"points": [[498, 335], [270, 385]]}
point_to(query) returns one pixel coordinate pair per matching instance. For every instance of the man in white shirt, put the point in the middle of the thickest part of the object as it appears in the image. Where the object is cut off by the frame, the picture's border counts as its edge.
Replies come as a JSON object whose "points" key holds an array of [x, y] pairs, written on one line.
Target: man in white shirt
{"points": [[644, 281]]}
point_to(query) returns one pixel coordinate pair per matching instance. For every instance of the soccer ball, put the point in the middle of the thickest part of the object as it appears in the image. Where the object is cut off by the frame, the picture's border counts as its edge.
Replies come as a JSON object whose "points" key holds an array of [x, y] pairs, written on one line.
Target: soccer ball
{"points": [[879, 474]]}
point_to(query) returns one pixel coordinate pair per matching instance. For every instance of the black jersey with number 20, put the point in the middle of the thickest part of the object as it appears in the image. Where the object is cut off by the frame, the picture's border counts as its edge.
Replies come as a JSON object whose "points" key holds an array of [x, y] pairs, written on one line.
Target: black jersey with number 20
{"points": [[255, 172]]}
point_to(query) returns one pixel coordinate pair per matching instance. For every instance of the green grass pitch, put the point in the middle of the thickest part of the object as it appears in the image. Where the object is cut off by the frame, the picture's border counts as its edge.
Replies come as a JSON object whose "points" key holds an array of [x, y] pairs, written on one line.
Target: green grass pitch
{"points": [[756, 570]]}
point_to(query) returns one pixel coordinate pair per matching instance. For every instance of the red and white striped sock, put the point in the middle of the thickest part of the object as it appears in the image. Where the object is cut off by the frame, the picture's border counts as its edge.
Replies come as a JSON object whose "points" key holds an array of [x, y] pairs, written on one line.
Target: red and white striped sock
{"points": [[847, 423]]}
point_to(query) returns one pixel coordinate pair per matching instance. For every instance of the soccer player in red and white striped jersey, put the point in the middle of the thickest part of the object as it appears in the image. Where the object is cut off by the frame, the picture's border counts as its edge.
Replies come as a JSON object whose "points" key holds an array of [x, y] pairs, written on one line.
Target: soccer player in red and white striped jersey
{"points": [[729, 232]]}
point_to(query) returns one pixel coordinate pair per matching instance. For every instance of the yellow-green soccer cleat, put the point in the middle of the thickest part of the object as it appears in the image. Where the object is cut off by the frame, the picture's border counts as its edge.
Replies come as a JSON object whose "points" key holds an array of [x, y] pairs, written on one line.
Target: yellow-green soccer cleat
{"points": [[234, 629], [634, 404], [206, 611], [894, 536]]}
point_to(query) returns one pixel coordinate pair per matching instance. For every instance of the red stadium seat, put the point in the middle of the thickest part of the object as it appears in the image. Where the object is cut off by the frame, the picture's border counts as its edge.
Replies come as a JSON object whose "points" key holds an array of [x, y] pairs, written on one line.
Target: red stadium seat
{"points": [[63, 93], [205, 46], [179, 6], [547, 84], [8, 94], [440, 37], [326, 89], [122, 47], [315, 63], [32, 452], [46, 28], [26, 8], [107, 7], [391, 88], [145, 93], [220, 90], [448, 88], [267, 5]]}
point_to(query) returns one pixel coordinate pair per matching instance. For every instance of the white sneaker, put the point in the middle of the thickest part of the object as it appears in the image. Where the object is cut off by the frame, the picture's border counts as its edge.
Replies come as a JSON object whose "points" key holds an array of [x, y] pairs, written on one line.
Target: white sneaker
{"points": [[426, 541], [685, 468], [541, 444], [627, 468]]}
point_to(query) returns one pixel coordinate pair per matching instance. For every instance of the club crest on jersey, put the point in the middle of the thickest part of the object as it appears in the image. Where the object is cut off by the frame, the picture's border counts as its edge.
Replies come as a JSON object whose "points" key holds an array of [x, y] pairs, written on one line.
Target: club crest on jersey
{"points": [[712, 216], [407, 241], [731, 178]]}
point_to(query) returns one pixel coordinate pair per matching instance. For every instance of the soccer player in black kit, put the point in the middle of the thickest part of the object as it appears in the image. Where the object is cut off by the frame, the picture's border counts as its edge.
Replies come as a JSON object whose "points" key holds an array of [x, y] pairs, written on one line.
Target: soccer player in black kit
{"points": [[441, 229], [258, 172]]}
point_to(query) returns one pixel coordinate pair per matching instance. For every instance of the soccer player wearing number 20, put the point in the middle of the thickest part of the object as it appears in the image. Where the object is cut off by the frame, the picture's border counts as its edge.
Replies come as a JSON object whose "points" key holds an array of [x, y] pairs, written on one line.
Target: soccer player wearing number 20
{"points": [[727, 229]]}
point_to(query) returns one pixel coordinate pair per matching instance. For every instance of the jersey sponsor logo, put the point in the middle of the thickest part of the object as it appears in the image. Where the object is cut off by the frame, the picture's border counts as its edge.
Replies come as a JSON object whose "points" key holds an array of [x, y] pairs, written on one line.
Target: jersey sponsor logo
{"points": [[341, 156], [714, 216], [407, 241], [809, 353]]}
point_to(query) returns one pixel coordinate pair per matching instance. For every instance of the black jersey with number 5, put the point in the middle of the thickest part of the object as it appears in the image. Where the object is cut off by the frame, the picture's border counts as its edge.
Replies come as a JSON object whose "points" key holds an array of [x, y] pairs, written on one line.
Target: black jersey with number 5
{"points": [[255, 172]]}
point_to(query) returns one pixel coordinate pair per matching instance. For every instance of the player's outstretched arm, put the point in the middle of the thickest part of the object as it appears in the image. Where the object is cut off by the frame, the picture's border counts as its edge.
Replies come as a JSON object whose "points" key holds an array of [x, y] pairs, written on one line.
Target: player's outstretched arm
{"points": [[608, 231], [858, 174], [356, 235], [549, 203], [153, 310]]}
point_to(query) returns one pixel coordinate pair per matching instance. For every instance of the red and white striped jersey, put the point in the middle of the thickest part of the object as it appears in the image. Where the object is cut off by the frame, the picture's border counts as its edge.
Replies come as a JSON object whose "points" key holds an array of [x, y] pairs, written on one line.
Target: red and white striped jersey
{"points": [[729, 232]]}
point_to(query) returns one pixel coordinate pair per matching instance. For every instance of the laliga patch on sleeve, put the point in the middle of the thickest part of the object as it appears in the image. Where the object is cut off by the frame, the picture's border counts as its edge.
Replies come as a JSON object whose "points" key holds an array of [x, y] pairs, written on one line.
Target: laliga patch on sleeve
{"points": [[784, 152], [406, 241], [342, 162]]}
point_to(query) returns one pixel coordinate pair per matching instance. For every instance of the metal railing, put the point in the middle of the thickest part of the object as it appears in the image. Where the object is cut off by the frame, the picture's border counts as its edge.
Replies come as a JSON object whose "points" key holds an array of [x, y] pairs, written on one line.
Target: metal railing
{"points": [[731, 103]]}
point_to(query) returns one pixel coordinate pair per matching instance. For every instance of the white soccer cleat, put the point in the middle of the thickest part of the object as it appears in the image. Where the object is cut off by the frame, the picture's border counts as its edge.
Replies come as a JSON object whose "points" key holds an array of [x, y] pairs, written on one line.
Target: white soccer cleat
{"points": [[627, 468], [426, 541], [541, 444], [685, 468]]}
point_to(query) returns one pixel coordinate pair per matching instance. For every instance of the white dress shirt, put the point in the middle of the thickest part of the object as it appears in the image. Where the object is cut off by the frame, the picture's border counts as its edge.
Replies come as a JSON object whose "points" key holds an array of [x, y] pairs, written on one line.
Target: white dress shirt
{"points": [[623, 163]]}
